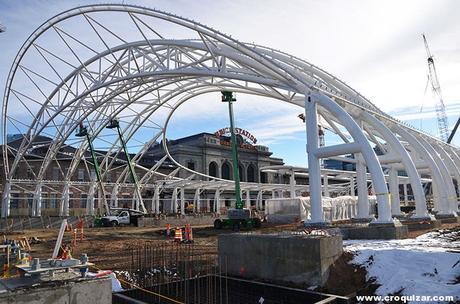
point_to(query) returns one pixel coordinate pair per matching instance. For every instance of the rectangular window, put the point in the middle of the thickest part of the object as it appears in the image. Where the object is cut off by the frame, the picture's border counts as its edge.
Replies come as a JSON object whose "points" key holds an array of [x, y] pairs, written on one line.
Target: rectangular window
{"points": [[30, 173], [45, 202], [14, 201], [55, 173], [108, 177], [81, 175], [93, 175], [30, 200], [83, 199], [191, 165], [53, 201]]}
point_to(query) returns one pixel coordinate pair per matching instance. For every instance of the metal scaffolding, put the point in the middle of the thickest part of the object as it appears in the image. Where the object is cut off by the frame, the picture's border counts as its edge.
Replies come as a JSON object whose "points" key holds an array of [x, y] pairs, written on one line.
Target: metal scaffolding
{"points": [[100, 71]]}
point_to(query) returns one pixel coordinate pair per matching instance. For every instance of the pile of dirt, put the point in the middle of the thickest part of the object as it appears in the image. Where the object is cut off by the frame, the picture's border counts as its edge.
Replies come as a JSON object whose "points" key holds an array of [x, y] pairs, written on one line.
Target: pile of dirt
{"points": [[346, 279]]}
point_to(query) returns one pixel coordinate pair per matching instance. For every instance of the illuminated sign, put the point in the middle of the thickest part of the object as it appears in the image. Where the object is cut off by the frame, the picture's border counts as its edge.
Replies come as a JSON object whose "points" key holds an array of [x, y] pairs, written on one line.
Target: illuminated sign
{"points": [[242, 132]]}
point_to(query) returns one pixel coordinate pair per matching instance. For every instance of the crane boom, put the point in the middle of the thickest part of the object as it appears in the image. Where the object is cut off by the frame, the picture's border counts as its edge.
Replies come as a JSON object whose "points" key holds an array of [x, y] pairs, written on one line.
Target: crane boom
{"points": [[443, 125]]}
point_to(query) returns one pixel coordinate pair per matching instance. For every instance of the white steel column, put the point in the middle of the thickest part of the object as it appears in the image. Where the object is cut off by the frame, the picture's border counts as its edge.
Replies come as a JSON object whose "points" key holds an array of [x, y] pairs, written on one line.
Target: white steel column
{"points": [[196, 201], [326, 185], [394, 191], [6, 200], [217, 201], [248, 199], [182, 201], [372, 162], [440, 192], [259, 200], [454, 172], [361, 182], [314, 169], [399, 152], [156, 199], [406, 198], [292, 183], [448, 182], [114, 196], [37, 200], [90, 199], [174, 201], [352, 185], [64, 208]]}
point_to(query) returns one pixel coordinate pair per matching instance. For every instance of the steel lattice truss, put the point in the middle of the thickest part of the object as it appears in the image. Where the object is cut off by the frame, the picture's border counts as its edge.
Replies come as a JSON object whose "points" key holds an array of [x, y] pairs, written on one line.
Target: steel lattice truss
{"points": [[95, 63]]}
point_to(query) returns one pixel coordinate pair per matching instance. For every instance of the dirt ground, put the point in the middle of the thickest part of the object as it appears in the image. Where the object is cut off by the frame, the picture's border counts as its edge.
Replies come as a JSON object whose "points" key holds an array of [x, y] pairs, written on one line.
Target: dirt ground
{"points": [[109, 248]]}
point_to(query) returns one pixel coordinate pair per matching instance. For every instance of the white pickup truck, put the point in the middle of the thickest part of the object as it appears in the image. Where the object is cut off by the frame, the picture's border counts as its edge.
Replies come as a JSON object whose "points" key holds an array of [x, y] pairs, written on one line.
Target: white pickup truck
{"points": [[121, 216]]}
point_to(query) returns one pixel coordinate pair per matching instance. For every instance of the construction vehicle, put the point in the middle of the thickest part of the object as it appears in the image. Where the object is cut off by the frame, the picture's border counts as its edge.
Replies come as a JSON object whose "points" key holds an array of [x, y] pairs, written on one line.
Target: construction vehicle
{"points": [[121, 216], [115, 124], [443, 125], [239, 216], [83, 132]]}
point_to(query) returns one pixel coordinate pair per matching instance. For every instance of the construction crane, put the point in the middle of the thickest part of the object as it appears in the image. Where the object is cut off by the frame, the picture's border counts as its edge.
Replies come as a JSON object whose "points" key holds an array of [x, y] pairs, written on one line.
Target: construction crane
{"points": [[441, 116]]}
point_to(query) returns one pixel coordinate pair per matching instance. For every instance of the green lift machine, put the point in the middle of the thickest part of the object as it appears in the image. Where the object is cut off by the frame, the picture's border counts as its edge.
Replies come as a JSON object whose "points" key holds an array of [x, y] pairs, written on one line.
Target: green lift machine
{"points": [[83, 132], [115, 124], [238, 217]]}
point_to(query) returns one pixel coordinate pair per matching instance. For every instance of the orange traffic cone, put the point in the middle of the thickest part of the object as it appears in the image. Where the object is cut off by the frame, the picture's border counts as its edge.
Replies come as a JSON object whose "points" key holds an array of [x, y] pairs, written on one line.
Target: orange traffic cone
{"points": [[80, 225], [74, 241]]}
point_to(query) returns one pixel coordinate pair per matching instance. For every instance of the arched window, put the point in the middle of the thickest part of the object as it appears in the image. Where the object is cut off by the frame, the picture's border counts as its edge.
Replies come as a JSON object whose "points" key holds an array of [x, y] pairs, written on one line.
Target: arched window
{"points": [[251, 174], [213, 169], [226, 171], [263, 177], [241, 172]]}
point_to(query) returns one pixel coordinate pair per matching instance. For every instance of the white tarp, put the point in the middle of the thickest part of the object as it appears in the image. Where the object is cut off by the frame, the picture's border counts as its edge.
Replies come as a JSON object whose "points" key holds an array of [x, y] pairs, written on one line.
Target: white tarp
{"points": [[285, 210]]}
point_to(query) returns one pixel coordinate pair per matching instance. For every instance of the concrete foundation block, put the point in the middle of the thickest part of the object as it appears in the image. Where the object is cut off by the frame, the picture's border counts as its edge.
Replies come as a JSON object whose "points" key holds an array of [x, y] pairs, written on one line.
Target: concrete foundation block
{"points": [[179, 221], [361, 220], [420, 224], [84, 291], [290, 258], [376, 232], [448, 218]]}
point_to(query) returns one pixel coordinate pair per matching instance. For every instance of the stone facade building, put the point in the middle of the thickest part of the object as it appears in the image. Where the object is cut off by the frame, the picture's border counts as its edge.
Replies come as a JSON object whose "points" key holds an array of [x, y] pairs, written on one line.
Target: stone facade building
{"points": [[206, 153]]}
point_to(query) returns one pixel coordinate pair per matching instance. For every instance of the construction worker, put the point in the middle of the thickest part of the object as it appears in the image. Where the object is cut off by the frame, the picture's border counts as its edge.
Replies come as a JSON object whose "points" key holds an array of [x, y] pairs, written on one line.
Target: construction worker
{"points": [[168, 230], [188, 233], [66, 254], [178, 235]]}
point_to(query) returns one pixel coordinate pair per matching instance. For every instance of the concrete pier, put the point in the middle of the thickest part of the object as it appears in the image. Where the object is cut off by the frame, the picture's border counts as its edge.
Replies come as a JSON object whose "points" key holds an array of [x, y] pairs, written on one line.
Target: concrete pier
{"points": [[375, 231], [284, 257], [32, 291]]}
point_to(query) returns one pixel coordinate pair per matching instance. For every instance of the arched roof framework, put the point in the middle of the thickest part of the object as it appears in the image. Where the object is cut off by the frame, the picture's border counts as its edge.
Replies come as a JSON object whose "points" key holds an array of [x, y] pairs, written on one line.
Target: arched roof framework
{"points": [[144, 81]]}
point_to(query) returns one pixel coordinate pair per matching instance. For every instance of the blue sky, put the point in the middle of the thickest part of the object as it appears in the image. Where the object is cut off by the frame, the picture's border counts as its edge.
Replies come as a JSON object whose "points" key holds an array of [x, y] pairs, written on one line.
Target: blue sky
{"points": [[375, 46]]}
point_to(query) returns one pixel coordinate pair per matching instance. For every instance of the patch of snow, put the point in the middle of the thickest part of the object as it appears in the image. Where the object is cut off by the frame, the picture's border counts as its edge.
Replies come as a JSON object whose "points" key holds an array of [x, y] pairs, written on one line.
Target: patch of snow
{"points": [[116, 285], [426, 265]]}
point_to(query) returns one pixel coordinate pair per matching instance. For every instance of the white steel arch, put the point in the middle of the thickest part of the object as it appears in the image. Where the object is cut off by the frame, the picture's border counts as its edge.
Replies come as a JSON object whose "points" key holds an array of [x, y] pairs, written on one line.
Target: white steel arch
{"points": [[118, 64]]}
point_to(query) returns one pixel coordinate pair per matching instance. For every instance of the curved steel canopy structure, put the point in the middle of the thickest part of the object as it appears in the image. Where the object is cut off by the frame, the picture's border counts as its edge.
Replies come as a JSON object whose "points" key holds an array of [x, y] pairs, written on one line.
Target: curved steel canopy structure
{"points": [[91, 64]]}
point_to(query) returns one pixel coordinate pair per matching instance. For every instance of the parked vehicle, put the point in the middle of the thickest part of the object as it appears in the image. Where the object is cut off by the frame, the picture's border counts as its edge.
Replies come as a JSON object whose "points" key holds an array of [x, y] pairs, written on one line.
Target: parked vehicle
{"points": [[121, 216]]}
